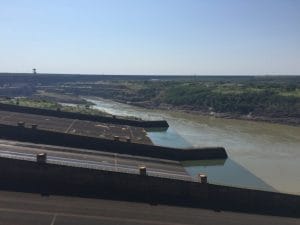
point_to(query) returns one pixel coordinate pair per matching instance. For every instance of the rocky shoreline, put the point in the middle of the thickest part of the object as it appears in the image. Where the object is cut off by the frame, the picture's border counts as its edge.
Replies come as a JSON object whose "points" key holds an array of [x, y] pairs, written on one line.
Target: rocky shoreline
{"points": [[291, 121]]}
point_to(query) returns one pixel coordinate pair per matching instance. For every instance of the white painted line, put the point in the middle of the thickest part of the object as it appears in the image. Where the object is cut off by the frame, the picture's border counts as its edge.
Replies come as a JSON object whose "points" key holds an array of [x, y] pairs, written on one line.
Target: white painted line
{"points": [[53, 220], [70, 126], [94, 164]]}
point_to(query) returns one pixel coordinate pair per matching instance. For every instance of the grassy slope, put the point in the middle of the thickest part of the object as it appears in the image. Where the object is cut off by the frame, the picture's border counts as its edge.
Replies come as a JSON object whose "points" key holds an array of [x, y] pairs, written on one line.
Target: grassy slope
{"points": [[46, 104], [273, 97]]}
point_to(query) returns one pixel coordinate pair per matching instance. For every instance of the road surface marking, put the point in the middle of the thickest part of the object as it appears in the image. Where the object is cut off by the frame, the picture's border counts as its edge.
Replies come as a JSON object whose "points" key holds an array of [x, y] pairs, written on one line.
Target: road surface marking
{"points": [[53, 220], [69, 127], [116, 162], [112, 218], [96, 164]]}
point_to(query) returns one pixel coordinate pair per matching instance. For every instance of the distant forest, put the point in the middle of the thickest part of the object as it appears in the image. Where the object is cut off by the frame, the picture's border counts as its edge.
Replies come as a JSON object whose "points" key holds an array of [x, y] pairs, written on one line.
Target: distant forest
{"points": [[269, 96]]}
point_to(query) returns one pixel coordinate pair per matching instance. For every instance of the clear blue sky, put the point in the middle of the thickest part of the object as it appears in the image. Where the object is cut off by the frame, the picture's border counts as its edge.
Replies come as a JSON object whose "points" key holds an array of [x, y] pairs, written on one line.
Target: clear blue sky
{"points": [[203, 37]]}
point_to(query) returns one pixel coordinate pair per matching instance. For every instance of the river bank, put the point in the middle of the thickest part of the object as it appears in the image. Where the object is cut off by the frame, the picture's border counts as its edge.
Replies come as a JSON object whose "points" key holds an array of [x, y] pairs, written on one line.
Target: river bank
{"points": [[268, 151], [269, 99], [292, 121]]}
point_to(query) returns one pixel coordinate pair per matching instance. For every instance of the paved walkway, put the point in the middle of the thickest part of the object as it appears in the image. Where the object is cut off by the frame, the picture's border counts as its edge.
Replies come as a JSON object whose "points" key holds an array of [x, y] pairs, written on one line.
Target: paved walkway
{"points": [[31, 209]]}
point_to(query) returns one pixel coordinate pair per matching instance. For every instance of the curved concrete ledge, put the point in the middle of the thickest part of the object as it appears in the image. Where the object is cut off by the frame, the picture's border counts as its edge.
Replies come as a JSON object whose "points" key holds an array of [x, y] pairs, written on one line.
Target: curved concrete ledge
{"points": [[21, 133], [29, 176]]}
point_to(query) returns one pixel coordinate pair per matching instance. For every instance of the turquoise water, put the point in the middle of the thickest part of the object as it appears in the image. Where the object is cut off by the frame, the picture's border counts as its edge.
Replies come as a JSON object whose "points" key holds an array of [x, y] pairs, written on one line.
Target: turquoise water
{"points": [[169, 138], [225, 172], [261, 155]]}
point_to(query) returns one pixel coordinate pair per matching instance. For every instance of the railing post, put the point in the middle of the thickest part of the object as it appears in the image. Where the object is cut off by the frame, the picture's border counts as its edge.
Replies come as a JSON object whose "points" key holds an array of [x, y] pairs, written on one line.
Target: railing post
{"points": [[116, 138], [143, 170], [203, 178], [41, 158], [21, 124]]}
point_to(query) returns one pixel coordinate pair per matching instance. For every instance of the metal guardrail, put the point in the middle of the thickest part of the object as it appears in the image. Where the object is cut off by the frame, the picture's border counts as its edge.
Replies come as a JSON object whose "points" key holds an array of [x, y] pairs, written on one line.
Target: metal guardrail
{"points": [[121, 170], [111, 168], [94, 165], [19, 157]]}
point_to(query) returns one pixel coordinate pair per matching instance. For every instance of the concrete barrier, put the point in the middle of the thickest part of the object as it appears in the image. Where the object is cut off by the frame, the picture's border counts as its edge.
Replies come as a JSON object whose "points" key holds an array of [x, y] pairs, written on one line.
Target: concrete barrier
{"points": [[40, 136], [29, 176], [80, 116]]}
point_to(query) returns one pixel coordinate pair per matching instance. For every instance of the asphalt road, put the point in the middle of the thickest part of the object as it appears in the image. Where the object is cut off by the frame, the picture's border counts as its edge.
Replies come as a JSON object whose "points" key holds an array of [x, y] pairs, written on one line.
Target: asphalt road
{"points": [[77, 127], [33, 209], [93, 159]]}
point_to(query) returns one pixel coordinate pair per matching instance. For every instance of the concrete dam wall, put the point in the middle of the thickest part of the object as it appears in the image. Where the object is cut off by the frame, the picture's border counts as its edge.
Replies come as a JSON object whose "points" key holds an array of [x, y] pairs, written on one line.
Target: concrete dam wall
{"points": [[30, 176], [85, 142], [80, 116]]}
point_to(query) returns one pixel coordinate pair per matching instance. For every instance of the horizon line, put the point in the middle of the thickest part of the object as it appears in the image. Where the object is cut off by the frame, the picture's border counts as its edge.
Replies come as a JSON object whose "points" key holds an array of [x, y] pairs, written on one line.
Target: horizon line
{"points": [[152, 75]]}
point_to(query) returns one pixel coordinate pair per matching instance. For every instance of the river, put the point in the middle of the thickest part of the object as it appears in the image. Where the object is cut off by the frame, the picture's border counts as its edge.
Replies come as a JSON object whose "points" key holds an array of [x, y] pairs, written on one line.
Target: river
{"points": [[261, 155]]}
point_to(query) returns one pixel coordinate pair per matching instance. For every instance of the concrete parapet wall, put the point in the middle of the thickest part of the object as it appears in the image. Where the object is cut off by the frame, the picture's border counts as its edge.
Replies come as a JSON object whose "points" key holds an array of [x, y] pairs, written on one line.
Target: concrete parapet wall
{"points": [[85, 142], [19, 175], [80, 116]]}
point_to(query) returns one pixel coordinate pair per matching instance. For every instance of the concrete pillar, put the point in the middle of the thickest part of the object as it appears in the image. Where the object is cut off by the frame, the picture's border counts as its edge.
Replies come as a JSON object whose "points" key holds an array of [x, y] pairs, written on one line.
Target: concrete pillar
{"points": [[143, 170], [41, 158], [203, 178], [21, 124], [116, 138]]}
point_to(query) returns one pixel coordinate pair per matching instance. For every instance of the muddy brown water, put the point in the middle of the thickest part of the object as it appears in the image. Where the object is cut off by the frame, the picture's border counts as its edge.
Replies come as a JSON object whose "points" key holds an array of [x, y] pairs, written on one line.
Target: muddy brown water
{"points": [[261, 155]]}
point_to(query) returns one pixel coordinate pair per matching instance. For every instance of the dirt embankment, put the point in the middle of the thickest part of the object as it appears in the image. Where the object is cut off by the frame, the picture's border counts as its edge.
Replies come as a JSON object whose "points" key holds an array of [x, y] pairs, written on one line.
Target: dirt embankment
{"points": [[247, 103], [294, 121]]}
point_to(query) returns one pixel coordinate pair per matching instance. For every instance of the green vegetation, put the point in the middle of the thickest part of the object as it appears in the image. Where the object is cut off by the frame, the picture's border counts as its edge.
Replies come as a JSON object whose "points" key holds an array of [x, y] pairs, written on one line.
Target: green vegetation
{"points": [[258, 96], [235, 99], [229, 96], [35, 103], [46, 104]]}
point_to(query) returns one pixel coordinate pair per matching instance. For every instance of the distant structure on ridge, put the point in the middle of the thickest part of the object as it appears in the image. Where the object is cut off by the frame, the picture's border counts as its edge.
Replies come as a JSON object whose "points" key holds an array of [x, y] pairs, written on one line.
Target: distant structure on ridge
{"points": [[34, 70]]}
